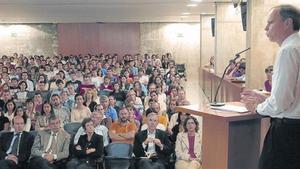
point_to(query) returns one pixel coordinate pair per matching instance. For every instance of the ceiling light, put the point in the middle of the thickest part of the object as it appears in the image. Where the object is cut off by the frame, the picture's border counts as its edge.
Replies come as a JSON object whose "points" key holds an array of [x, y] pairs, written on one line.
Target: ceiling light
{"points": [[196, 0], [191, 5], [186, 13]]}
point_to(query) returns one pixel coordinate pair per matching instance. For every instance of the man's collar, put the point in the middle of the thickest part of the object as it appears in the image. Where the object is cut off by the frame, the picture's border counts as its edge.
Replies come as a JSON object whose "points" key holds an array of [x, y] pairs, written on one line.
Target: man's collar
{"points": [[15, 133], [148, 132]]}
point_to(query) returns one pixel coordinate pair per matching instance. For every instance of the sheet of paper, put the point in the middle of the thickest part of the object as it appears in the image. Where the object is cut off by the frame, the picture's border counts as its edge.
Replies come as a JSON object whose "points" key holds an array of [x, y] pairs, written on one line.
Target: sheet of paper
{"points": [[231, 108]]}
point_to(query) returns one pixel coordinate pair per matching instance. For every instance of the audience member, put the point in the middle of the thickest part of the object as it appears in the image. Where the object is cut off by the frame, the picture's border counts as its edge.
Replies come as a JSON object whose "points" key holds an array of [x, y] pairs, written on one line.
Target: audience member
{"points": [[50, 147], [88, 149], [123, 130], [152, 143], [188, 145], [42, 120], [15, 146], [109, 111], [178, 127], [268, 82], [79, 112], [9, 109], [4, 122], [19, 111], [100, 129], [59, 110], [89, 99]]}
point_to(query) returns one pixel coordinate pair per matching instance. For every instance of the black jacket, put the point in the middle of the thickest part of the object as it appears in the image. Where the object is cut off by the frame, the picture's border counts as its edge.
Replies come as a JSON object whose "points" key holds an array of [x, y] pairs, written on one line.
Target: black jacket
{"points": [[163, 154], [24, 146], [96, 142]]}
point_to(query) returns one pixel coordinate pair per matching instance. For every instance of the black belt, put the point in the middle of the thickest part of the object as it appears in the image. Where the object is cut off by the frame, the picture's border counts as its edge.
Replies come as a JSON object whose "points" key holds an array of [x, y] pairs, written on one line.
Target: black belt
{"points": [[285, 121]]}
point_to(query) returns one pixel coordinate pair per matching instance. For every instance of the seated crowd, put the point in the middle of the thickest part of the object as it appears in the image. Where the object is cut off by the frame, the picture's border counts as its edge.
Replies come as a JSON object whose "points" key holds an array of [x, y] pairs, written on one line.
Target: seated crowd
{"points": [[130, 100]]}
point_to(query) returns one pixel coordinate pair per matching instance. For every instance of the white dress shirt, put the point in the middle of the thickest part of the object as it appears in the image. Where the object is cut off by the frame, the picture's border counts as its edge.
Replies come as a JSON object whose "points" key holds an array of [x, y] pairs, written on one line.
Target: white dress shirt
{"points": [[12, 142], [151, 145], [285, 95], [52, 137], [30, 86]]}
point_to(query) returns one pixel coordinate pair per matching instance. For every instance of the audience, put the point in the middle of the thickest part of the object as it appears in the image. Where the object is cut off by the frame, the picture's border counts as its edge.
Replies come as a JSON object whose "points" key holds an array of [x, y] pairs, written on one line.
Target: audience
{"points": [[37, 88]]}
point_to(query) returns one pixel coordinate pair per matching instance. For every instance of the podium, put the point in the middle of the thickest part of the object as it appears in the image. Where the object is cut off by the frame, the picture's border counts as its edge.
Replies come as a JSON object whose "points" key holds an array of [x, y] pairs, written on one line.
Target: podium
{"points": [[230, 140]]}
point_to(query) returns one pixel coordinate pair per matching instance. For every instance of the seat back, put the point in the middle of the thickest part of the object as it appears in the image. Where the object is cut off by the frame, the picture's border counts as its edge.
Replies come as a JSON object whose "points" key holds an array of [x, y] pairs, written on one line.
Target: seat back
{"points": [[119, 150], [72, 128], [180, 68], [119, 156]]}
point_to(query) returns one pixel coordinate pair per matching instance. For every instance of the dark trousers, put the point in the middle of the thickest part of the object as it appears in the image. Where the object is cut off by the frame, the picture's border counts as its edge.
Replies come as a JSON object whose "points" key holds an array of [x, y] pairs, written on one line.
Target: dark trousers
{"points": [[282, 145], [8, 164], [41, 163], [77, 164], [145, 163]]}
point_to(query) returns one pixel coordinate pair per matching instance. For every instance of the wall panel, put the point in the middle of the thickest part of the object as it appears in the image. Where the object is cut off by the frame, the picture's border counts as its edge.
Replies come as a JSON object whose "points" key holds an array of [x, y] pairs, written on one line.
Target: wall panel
{"points": [[95, 38]]}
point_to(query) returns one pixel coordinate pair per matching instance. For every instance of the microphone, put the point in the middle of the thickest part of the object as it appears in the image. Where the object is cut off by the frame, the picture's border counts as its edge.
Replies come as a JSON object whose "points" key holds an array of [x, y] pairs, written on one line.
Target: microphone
{"points": [[218, 104]]}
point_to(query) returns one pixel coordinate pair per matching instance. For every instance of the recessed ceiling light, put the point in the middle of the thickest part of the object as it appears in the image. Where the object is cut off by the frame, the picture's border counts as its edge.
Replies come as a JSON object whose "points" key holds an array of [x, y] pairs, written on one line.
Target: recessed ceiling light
{"points": [[186, 13], [191, 5], [196, 0]]}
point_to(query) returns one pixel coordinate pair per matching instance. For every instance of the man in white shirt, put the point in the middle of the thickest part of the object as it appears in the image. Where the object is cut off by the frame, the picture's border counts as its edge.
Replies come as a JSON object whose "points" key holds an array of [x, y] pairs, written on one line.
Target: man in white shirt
{"points": [[282, 143], [152, 147]]}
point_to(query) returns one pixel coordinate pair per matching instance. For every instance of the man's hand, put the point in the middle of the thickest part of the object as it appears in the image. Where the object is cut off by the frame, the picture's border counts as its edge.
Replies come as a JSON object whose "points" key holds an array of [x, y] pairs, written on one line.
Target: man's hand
{"points": [[169, 131], [13, 158], [251, 99], [158, 143], [148, 140], [49, 157], [78, 148]]}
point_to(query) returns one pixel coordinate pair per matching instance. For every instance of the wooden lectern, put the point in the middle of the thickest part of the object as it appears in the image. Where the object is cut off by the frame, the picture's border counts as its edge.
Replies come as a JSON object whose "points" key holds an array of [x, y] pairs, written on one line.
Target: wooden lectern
{"points": [[229, 140]]}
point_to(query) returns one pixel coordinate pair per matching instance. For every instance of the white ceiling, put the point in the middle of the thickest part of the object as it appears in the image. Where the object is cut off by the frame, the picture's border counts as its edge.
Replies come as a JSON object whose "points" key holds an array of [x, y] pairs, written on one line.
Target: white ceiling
{"points": [[75, 11]]}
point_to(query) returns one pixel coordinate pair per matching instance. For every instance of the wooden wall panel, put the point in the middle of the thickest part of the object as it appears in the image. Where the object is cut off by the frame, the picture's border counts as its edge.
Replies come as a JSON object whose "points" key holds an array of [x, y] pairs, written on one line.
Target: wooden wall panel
{"points": [[95, 38]]}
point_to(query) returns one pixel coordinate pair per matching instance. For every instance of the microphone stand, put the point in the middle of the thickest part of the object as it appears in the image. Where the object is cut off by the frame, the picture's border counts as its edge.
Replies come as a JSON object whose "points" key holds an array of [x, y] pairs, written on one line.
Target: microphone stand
{"points": [[219, 104]]}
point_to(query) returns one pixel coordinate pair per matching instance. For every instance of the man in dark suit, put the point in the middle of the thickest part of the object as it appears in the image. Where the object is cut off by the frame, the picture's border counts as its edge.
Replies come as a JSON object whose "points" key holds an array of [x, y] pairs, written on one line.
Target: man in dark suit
{"points": [[15, 146], [50, 147], [152, 145]]}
